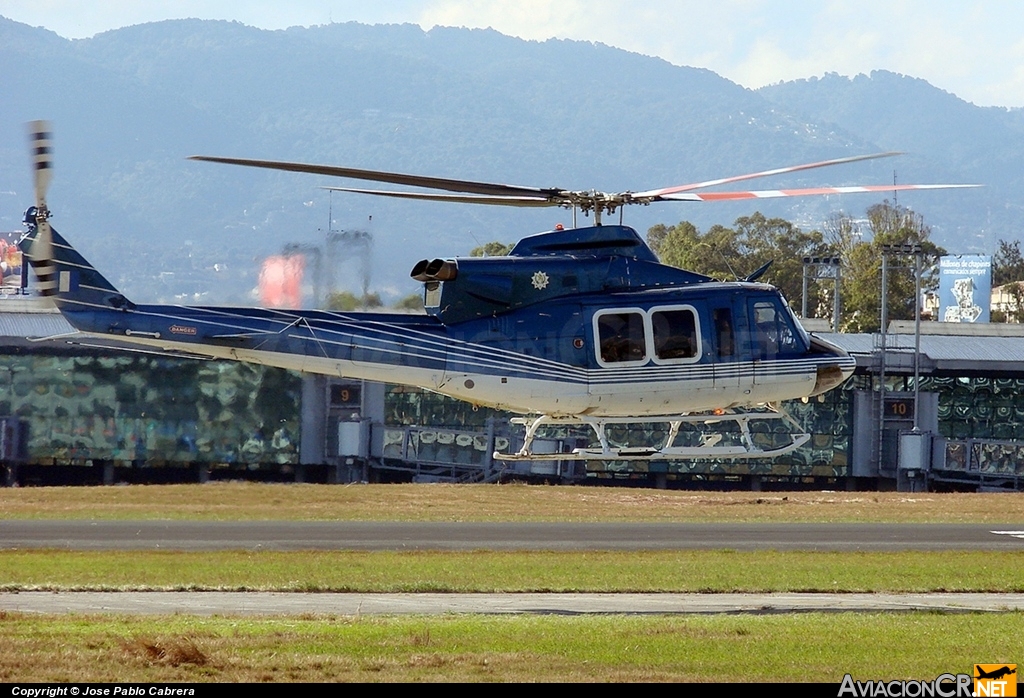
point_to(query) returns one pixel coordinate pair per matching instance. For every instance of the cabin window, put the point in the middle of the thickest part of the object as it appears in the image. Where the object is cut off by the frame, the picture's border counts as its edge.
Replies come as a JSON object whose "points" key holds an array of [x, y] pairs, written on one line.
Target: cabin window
{"points": [[634, 336], [621, 337], [773, 333], [675, 334]]}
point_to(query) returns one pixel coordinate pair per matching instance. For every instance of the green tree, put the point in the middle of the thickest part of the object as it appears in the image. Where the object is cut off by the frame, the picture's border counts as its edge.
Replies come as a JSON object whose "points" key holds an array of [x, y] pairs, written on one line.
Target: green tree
{"points": [[684, 246], [348, 301], [861, 289], [783, 244], [735, 253], [1008, 271], [1007, 263], [492, 249], [412, 302]]}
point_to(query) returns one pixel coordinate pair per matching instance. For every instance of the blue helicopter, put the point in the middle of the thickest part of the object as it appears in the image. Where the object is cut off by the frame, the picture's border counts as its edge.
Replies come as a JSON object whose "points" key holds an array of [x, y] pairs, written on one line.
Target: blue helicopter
{"points": [[579, 326]]}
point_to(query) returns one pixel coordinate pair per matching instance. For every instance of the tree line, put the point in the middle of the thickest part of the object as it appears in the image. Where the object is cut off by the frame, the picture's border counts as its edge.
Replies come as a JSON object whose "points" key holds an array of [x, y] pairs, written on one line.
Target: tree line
{"points": [[733, 253], [729, 253]]}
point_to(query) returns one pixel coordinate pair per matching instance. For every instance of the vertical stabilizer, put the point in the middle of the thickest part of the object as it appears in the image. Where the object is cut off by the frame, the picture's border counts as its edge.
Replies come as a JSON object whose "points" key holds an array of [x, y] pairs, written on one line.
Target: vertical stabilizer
{"points": [[74, 284]]}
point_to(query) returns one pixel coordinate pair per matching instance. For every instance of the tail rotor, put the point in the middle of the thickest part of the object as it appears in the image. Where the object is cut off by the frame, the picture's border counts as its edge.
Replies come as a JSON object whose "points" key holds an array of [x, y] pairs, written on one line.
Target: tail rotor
{"points": [[41, 253]]}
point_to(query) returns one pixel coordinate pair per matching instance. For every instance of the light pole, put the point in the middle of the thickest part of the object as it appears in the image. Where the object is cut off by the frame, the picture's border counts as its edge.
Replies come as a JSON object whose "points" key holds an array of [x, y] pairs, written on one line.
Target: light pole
{"points": [[822, 268], [905, 250]]}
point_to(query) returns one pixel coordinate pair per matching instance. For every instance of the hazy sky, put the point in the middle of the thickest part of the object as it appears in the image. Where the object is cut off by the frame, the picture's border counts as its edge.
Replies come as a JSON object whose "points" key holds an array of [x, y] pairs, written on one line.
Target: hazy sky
{"points": [[973, 48]]}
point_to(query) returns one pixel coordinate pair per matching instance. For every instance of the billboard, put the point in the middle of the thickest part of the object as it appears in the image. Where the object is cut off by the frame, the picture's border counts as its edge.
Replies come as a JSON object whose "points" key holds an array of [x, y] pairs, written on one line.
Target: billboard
{"points": [[965, 288]]}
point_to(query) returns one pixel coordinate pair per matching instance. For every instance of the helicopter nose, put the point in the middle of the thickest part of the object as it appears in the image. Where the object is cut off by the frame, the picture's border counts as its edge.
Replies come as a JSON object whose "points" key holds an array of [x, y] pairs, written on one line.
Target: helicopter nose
{"points": [[830, 374], [829, 377]]}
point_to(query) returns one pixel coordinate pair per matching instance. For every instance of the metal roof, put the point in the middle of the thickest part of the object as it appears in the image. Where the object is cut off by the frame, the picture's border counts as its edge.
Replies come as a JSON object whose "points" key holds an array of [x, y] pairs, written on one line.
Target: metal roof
{"points": [[33, 325], [939, 353]]}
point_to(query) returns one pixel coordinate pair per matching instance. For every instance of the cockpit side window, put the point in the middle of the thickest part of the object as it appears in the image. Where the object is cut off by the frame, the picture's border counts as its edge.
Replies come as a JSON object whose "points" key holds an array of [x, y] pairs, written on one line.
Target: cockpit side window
{"points": [[773, 331], [621, 337], [675, 334]]}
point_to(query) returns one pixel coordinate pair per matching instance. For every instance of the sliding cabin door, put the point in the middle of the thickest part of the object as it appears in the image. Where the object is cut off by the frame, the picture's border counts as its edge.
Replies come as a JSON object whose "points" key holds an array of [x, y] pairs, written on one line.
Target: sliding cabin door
{"points": [[730, 348]]}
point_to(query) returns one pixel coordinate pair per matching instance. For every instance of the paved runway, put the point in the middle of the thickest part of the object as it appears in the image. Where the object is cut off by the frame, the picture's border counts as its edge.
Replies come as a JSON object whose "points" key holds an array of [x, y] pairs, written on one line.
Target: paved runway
{"points": [[322, 535]]}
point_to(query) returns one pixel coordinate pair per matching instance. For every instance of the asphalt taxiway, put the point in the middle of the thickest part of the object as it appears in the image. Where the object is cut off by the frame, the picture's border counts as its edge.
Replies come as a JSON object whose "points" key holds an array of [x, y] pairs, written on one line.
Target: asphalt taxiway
{"points": [[362, 535]]}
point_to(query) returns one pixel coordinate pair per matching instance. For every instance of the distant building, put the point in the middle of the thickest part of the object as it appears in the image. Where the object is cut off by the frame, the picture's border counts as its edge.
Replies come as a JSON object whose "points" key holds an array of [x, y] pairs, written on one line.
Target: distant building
{"points": [[1006, 301], [75, 411]]}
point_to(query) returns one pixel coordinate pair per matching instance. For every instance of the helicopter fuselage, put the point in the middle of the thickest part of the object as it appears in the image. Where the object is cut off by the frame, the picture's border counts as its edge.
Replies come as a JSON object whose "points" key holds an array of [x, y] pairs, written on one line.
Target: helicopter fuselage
{"points": [[573, 323]]}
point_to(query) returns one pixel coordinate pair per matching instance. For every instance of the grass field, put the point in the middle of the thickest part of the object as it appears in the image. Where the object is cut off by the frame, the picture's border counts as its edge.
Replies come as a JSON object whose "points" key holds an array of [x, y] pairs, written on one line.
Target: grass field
{"points": [[236, 501], [793, 647], [488, 571], [790, 648]]}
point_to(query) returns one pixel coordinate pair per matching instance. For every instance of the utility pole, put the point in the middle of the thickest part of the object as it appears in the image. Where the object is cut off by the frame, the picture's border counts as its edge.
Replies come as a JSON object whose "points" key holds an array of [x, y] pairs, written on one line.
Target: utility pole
{"points": [[822, 268], [907, 250], [902, 250]]}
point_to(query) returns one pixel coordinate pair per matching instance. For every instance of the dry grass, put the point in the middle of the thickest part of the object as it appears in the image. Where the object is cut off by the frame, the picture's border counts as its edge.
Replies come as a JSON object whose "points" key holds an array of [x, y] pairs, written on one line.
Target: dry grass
{"points": [[232, 501], [791, 648], [173, 652]]}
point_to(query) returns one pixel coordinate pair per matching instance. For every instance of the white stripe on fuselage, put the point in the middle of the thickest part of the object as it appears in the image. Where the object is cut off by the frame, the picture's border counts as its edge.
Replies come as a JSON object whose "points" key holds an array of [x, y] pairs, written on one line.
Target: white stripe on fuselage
{"points": [[633, 393]]}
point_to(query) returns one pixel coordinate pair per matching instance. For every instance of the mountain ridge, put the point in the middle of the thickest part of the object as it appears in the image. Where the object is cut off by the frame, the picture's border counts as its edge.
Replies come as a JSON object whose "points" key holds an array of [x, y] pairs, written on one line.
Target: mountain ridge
{"points": [[130, 104]]}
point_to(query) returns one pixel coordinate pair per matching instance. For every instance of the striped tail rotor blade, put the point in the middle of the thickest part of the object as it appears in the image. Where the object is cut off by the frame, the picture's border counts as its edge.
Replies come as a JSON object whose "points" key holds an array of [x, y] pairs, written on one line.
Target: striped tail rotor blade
{"points": [[41, 147], [41, 253], [40, 137]]}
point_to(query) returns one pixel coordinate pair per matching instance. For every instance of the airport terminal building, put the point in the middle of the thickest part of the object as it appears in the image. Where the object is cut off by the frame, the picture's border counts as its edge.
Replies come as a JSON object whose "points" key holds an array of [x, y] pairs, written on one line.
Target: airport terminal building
{"points": [[77, 412]]}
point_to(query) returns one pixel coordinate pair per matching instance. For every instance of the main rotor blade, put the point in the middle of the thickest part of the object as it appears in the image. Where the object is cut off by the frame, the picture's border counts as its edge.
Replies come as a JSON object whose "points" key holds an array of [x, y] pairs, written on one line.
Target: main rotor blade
{"points": [[777, 193], [456, 185], [525, 201], [766, 173], [514, 195]]}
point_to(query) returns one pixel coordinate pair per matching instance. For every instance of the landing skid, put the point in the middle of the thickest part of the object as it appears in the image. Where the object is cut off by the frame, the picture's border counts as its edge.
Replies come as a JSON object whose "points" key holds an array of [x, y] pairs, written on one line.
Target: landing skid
{"points": [[710, 446]]}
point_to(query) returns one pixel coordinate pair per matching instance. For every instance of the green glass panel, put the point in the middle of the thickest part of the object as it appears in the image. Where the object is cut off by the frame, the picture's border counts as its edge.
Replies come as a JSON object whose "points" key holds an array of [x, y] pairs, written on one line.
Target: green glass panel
{"points": [[152, 409]]}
